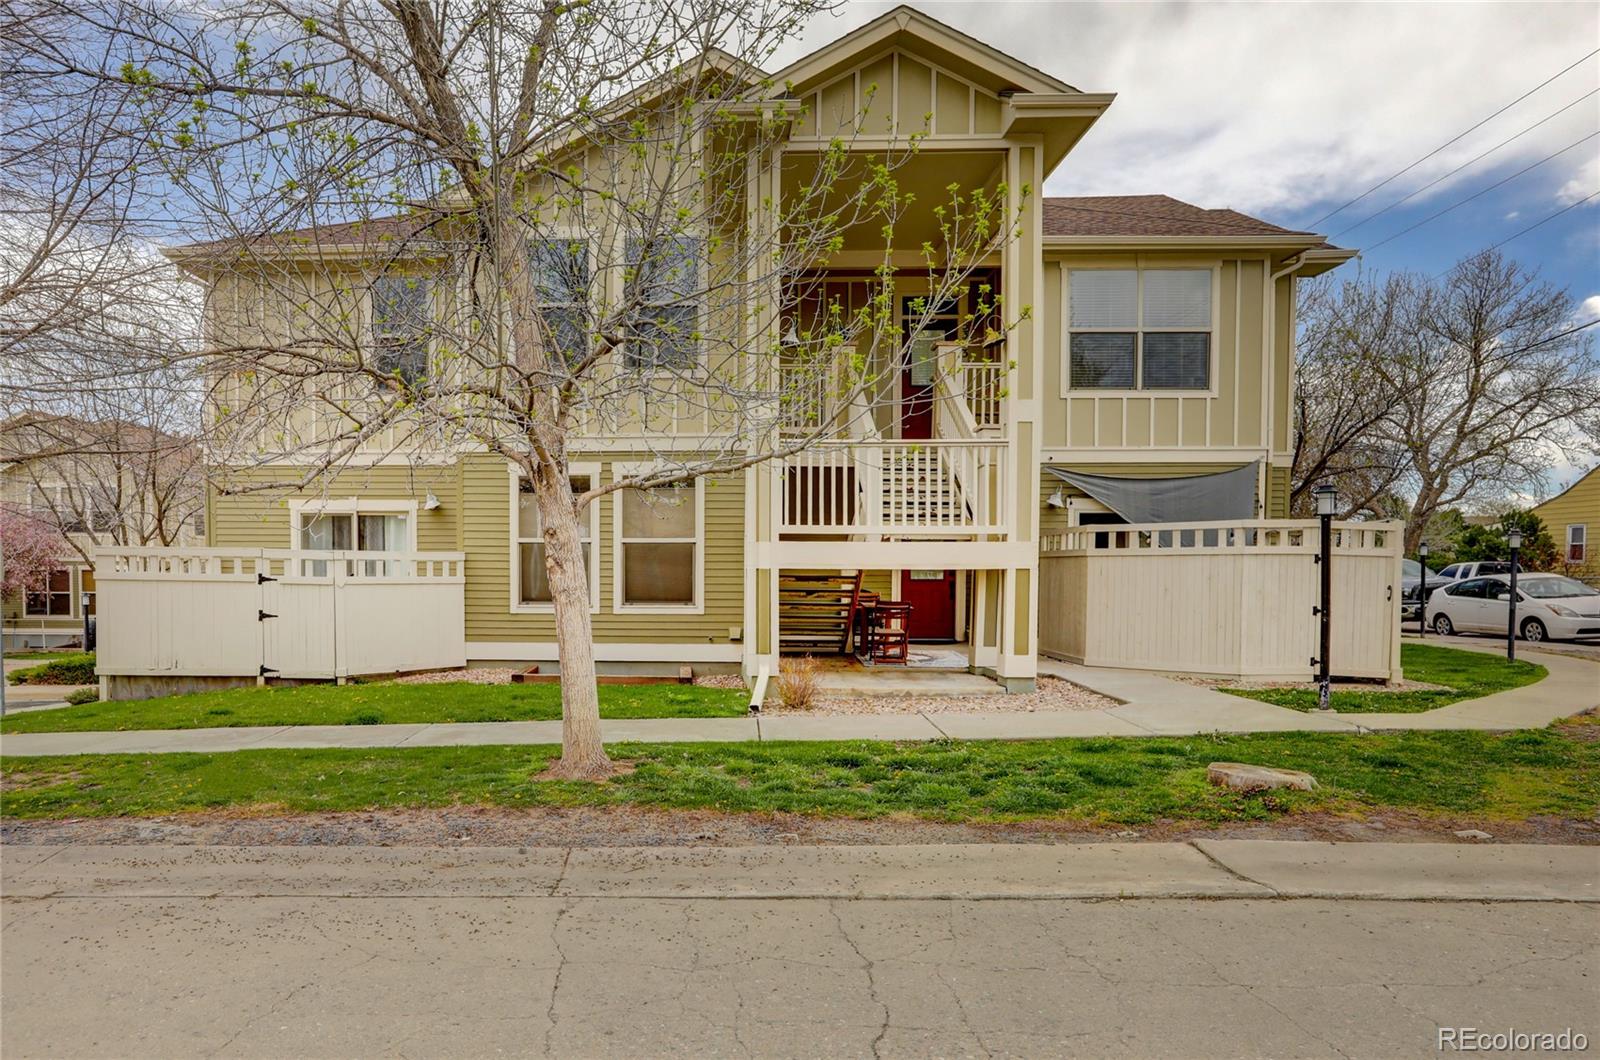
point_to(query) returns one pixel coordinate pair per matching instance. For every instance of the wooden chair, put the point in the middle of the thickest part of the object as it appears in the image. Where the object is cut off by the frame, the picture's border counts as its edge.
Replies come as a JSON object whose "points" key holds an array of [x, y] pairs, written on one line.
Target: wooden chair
{"points": [[885, 638]]}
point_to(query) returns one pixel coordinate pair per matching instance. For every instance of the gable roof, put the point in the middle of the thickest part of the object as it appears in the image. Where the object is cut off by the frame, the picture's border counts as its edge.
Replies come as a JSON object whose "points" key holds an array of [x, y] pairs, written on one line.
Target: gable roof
{"points": [[1580, 480], [972, 57], [1150, 215], [393, 232]]}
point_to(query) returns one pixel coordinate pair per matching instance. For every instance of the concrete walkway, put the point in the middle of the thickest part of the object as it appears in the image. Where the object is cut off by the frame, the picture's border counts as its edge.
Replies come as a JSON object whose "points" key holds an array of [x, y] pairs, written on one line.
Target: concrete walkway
{"points": [[1150, 705]]}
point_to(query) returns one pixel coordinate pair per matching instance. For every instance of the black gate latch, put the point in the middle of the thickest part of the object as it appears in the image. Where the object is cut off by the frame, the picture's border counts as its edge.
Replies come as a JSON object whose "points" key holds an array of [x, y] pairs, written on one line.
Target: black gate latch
{"points": [[265, 670], [262, 579], [262, 616]]}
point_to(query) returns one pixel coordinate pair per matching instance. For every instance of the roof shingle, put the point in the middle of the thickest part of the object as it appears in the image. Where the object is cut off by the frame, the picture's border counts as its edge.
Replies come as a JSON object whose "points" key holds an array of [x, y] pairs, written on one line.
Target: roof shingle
{"points": [[1149, 215]]}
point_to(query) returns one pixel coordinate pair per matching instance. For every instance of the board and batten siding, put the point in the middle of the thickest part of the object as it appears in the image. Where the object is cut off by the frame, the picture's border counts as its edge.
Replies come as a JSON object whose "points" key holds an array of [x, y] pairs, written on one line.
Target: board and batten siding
{"points": [[1247, 405]]}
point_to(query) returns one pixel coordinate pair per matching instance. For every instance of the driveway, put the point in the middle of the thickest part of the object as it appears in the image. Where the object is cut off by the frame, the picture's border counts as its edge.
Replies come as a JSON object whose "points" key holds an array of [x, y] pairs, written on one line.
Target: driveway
{"points": [[888, 951]]}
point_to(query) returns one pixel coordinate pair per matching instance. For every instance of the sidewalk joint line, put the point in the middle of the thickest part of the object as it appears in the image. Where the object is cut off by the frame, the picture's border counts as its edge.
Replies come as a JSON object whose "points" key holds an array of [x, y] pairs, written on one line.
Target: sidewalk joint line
{"points": [[924, 716], [1229, 869]]}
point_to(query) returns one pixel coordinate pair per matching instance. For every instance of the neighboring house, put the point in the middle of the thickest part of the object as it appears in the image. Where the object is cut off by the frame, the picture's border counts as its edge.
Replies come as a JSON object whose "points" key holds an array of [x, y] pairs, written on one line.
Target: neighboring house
{"points": [[1159, 349], [98, 483], [1572, 517]]}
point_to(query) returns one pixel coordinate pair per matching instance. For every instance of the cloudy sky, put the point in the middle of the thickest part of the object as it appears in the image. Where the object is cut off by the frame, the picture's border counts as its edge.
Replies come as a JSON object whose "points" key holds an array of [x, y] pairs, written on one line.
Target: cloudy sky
{"points": [[1287, 111]]}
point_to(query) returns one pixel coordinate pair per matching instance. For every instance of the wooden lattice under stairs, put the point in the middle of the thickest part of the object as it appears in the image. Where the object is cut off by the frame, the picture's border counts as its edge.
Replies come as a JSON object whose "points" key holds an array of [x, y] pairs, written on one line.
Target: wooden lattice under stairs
{"points": [[816, 612]]}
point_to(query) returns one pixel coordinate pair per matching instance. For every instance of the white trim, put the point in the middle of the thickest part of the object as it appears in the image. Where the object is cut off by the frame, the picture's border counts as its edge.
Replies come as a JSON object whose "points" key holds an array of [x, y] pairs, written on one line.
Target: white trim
{"points": [[1144, 455], [514, 571], [1566, 551], [618, 567], [353, 506], [652, 651]]}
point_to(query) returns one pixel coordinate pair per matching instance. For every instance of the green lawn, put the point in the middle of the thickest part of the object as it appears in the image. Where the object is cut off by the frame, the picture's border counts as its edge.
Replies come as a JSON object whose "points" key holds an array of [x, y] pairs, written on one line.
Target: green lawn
{"points": [[1129, 780], [376, 704], [35, 656], [1465, 675]]}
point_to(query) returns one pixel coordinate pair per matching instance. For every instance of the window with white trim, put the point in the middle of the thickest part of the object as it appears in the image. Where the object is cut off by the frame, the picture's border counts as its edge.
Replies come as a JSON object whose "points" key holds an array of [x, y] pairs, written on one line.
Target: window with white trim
{"points": [[529, 575], [663, 281], [1139, 329], [352, 531], [1577, 542], [561, 276], [53, 599], [660, 543], [402, 317]]}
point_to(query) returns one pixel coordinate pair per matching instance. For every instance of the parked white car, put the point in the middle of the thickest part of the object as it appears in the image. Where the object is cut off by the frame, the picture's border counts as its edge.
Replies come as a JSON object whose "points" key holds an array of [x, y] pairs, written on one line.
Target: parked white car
{"points": [[1549, 607]]}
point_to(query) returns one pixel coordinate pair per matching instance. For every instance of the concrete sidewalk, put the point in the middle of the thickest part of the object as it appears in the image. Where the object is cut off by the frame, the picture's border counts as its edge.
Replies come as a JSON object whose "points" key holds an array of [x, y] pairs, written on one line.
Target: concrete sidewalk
{"points": [[1222, 868], [1150, 705]]}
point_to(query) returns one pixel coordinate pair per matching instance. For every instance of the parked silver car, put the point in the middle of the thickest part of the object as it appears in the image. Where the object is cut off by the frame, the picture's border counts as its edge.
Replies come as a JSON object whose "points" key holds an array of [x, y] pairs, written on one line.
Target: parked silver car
{"points": [[1549, 607]]}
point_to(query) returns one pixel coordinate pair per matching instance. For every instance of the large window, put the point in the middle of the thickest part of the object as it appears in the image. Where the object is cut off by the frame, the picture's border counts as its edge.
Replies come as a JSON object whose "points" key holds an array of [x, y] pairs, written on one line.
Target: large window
{"points": [[350, 529], [659, 542], [531, 580], [1139, 329], [1577, 542], [664, 285], [53, 599], [402, 315], [561, 275]]}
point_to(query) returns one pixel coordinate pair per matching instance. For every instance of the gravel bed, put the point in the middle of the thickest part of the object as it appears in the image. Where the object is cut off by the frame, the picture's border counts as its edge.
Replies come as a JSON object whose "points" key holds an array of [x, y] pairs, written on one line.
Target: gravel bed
{"points": [[1053, 694], [484, 676]]}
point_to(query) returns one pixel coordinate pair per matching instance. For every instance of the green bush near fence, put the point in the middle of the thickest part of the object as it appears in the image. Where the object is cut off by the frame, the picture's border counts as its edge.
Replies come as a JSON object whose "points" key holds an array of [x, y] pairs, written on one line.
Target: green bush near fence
{"points": [[66, 670]]}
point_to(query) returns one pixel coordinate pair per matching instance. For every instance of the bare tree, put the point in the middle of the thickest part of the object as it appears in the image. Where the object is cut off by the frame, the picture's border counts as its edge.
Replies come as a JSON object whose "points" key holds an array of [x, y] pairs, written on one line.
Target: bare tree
{"points": [[513, 226]]}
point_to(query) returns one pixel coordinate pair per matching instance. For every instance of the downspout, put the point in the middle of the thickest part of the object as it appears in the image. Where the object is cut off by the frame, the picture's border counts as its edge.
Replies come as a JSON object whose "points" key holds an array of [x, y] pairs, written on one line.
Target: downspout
{"points": [[1292, 266]]}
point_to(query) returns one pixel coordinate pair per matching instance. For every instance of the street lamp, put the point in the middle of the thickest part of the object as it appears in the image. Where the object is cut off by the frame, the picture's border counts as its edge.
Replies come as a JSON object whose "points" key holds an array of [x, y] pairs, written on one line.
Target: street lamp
{"points": [[1422, 589], [1514, 539], [1327, 499]]}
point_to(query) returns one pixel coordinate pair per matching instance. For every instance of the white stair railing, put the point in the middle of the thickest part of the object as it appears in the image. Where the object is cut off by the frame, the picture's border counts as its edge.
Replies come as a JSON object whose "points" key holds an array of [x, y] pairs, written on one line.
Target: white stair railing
{"points": [[896, 488]]}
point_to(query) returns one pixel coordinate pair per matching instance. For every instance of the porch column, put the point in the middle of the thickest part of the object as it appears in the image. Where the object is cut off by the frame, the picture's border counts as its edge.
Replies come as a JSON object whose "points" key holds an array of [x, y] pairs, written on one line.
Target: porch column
{"points": [[763, 325], [983, 636]]}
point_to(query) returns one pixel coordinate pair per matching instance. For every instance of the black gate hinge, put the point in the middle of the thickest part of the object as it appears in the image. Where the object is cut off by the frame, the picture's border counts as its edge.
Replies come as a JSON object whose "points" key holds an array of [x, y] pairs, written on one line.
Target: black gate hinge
{"points": [[262, 616], [262, 579], [265, 670]]}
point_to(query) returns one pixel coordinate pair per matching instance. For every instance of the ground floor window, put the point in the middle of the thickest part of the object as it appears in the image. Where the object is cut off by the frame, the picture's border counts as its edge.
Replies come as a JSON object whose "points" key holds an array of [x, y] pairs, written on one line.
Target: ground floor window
{"points": [[659, 545], [1577, 542], [352, 530], [529, 575], [53, 599]]}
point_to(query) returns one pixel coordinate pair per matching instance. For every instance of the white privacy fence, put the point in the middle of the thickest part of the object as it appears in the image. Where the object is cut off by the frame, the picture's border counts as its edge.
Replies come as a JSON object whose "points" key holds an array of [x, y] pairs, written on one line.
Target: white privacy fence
{"points": [[211, 612], [1222, 598]]}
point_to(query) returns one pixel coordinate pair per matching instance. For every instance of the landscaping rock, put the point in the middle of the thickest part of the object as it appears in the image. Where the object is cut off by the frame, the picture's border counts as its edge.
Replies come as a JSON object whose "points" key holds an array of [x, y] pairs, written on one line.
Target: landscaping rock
{"points": [[1473, 833], [1241, 777]]}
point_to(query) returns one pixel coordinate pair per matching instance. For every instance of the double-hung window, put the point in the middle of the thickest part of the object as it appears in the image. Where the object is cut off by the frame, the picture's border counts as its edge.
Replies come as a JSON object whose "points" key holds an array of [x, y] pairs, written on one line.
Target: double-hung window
{"points": [[1139, 329], [53, 599], [1577, 543], [664, 289], [402, 315], [659, 544], [529, 576], [561, 277]]}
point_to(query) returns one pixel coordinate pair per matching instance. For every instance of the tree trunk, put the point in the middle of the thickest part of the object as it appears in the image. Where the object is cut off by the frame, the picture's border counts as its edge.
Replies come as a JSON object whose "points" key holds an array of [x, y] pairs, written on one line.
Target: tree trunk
{"points": [[583, 755]]}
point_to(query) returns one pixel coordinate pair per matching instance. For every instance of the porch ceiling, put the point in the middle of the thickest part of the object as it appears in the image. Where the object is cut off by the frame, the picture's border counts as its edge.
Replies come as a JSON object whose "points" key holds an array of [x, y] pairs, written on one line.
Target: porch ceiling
{"points": [[924, 179]]}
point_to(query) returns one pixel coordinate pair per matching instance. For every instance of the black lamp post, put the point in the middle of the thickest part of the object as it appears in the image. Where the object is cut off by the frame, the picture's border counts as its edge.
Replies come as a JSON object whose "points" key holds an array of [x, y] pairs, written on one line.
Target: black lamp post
{"points": [[1422, 589], [1514, 539], [1327, 499]]}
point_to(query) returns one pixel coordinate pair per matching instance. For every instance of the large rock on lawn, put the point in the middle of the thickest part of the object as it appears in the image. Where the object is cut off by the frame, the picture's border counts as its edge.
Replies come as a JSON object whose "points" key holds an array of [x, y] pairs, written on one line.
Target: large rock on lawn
{"points": [[1241, 777]]}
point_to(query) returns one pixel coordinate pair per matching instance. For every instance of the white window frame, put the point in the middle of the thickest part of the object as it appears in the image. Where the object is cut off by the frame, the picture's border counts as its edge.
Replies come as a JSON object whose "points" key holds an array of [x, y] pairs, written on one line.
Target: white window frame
{"points": [[1213, 359], [352, 506], [1583, 531], [619, 568], [696, 364], [513, 582]]}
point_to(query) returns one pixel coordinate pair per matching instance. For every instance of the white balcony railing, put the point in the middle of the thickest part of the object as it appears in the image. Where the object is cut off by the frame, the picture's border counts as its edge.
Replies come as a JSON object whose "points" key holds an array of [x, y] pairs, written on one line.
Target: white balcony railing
{"points": [[897, 488]]}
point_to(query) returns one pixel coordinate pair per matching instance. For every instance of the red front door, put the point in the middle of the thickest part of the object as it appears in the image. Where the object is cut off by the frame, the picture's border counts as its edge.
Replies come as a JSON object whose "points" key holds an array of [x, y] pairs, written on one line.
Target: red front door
{"points": [[932, 596]]}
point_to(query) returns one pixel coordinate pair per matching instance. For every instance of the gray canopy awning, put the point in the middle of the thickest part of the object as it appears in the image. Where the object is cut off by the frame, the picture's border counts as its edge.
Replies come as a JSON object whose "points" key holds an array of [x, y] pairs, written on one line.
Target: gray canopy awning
{"points": [[1195, 498]]}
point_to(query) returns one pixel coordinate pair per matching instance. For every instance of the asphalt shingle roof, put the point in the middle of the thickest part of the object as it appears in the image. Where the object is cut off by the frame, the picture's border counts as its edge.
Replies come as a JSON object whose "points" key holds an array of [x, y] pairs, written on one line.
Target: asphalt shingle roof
{"points": [[1148, 215]]}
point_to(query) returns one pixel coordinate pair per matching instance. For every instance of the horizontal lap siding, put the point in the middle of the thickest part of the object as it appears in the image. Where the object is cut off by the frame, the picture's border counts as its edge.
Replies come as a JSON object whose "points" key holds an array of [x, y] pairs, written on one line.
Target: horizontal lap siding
{"points": [[487, 542], [261, 519]]}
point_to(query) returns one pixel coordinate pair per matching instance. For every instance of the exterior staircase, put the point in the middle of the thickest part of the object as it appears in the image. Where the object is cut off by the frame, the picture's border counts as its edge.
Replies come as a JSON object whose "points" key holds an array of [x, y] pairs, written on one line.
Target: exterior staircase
{"points": [[816, 612]]}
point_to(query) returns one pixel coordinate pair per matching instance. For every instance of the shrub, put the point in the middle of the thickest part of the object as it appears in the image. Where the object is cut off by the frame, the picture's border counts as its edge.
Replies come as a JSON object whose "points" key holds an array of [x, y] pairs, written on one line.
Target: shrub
{"points": [[797, 682], [79, 696], [67, 670], [367, 717]]}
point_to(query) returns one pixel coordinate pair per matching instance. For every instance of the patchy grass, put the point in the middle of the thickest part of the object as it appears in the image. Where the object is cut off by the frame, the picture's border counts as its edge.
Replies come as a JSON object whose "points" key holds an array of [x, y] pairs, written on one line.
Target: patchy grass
{"points": [[375, 704], [1465, 675], [77, 669], [35, 656], [1130, 780]]}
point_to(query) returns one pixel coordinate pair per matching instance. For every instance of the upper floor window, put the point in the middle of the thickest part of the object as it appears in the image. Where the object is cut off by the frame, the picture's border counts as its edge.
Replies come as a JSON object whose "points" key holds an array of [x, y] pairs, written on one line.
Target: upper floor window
{"points": [[1577, 542], [402, 313], [1140, 329], [664, 287], [561, 276]]}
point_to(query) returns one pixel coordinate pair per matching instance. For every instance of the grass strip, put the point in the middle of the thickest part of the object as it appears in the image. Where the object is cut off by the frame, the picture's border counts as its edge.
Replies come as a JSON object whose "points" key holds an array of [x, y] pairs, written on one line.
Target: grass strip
{"points": [[1465, 675]]}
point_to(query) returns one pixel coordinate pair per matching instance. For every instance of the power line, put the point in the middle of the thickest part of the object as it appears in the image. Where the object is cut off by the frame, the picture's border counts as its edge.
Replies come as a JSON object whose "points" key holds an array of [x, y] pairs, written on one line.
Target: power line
{"points": [[1452, 140], [1464, 165], [1536, 224], [1477, 194]]}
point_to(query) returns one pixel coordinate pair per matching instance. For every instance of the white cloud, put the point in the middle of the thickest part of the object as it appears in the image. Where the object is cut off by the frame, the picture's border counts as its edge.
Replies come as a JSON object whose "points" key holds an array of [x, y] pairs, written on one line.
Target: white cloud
{"points": [[1589, 308], [1584, 184], [1275, 107], [1512, 216]]}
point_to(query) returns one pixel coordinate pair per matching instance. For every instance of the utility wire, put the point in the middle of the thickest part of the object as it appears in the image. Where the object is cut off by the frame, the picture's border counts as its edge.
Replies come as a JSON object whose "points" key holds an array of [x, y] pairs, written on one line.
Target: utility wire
{"points": [[1551, 217], [1446, 144], [1482, 192], [1464, 165]]}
